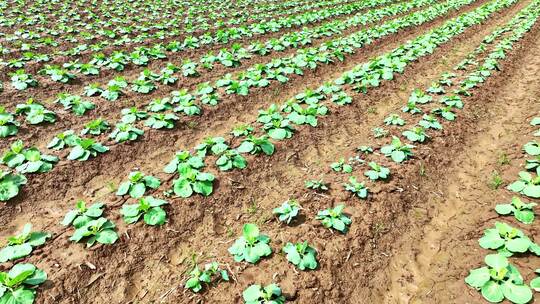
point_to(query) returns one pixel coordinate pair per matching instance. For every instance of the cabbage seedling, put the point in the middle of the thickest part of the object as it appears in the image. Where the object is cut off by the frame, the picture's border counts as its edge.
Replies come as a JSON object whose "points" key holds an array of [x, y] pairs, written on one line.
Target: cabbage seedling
{"points": [[317, 185], [251, 246], [416, 134], [82, 215], [397, 151], [10, 184], [197, 276], [84, 148], [21, 80], [75, 103], [287, 211], [137, 183], [161, 120], [18, 285], [35, 112], [216, 145], [60, 141], [8, 125], [301, 255], [231, 159], [334, 218], [430, 122], [357, 188], [149, 208], [125, 132], [522, 212], [21, 245], [95, 127], [256, 145], [131, 115], [527, 184], [28, 160], [395, 120], [499, 280], [507, 240], [242, 130], [341, 166], [183, 160], [419, 96], [377, 171], [270, 294], [100, 230]]}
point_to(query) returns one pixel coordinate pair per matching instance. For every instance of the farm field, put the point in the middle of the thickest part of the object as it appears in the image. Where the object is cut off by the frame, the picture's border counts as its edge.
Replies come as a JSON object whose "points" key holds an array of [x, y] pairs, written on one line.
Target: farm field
{"points": [[279, 151]]}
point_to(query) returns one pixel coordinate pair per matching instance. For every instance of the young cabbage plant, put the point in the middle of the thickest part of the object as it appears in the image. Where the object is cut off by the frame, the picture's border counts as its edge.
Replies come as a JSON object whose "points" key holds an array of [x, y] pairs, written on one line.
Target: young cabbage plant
{"points": [[357, 188], [377, 171], [27, 160], [95, 127], [137, 184], [334, 218], [394, 120], [445, 113], [198, 277], [22, 244], [125, 132], [416, 134], [60, 141], [149, 208], [523, 212], [287, 211], [256, 145], [419, 96], [242, 130], [81, 215], [10, 184], [379, 132], [256, 294], [397, 151], [100, 230], [499, 280], [161, 120], [365, 149], [251, 246], [84, 148], [341, 166], [527, 184], [317, 185], [216, 145], [35, 112], [430, 122], [75, 103], [231, 159], [18, 285], [507, 240], [301, 255], [8, 125], [21, 80], [453, 101], [131, 115]]}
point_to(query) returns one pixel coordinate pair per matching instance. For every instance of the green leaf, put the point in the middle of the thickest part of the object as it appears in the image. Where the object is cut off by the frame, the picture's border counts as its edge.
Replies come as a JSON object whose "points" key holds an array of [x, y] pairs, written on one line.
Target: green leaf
{"points": [[23, 296], [518, 294], [535, 284], [14, 252], [492, 292], [155, 216], [107, 236], [518, 244], [478, 277], [250, 231], [496, 261], [252, 293], [182, 188], [504, 209], [137, 190]]}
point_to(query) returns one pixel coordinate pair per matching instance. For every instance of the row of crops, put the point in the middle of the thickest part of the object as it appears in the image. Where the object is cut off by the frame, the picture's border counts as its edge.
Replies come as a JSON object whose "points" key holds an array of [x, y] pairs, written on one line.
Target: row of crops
{"points": [[146, 198]]}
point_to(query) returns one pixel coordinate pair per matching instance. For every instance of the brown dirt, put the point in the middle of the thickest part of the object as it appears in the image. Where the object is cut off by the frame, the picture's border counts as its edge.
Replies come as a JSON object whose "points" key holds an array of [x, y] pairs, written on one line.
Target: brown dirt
{"points": [[148, 265]]}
